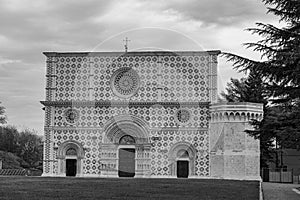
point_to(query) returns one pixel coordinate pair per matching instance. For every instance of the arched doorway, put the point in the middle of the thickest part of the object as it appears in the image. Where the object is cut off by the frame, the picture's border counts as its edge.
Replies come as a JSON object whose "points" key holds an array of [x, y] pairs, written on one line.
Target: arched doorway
{"points": [[181, 159], [182, 164], [70, 155], [71, 162], [127, 137], [126, 156]]}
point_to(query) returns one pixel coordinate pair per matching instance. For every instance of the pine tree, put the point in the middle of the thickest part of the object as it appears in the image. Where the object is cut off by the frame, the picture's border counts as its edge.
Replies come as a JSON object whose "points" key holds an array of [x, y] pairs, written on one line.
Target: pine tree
{"points": [[281, 50], [235, 90], [280, 70], [250, 89], [2, 116]]}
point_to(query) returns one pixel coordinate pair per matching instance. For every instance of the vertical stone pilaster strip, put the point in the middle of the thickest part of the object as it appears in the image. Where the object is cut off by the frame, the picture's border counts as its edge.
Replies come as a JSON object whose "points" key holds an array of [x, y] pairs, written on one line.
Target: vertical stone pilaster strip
{"points": [[47, 143], [213, 79], [50, 78], [49, 115], [91, 80], [159, 80], [54, 78]]}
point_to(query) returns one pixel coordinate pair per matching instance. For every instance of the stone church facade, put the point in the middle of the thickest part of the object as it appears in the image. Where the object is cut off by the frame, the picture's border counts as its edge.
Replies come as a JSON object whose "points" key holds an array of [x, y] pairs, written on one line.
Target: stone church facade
{"points": [[144, 114]]}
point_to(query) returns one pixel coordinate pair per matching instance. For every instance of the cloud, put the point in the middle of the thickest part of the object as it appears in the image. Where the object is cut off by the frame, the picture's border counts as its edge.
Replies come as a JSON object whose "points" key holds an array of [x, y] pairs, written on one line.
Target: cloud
{"points": [[29, 27], [218, 12], [4, 61]]}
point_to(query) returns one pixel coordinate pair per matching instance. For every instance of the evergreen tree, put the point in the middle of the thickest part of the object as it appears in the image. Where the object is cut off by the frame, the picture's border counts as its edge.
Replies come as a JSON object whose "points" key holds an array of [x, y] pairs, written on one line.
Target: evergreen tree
{"points": [[281, 50], [2, 116], [280, 70], [235, 90], [250, 89]]}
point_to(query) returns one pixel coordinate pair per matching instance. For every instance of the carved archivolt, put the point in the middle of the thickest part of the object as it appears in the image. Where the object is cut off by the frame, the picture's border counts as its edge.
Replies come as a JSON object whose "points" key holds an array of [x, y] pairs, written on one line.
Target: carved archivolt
{"points": [[121, 125], [176, 148], [70, 144]]}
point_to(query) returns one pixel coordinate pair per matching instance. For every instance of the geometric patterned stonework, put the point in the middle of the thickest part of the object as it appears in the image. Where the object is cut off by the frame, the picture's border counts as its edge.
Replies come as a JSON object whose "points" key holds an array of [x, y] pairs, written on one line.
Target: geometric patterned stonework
{"points": [[156, 105]]}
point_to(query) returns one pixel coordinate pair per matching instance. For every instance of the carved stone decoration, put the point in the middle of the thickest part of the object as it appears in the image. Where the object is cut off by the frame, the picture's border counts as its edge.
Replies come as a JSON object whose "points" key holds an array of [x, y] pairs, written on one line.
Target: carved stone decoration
{"points": [[71, 152], [71, 116], [183, 116], [125, 82], [127, 139]]}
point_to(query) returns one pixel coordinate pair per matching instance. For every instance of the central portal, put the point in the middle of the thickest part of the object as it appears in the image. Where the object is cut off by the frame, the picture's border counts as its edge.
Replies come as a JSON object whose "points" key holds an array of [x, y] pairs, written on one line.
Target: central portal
{"points": [[126, 157], [126, 162]]}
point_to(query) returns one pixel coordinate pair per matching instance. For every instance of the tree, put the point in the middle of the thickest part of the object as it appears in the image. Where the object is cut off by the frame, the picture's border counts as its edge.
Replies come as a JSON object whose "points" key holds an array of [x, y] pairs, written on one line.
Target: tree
{"points": [[250, 89], [25, 144], [281, 49], [29, 147], [2, 116], [8, 141], [235, 90], [280, 70]]}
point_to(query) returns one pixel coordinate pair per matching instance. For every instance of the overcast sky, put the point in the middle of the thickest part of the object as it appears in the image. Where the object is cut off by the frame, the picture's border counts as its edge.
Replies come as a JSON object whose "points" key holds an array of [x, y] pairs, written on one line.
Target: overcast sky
{"points": [[29, 27]]}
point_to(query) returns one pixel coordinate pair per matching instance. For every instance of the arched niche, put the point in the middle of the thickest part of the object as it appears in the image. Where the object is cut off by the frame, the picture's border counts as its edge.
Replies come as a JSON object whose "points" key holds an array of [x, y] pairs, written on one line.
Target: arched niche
{"points": [[70, 150], [182, 151]]}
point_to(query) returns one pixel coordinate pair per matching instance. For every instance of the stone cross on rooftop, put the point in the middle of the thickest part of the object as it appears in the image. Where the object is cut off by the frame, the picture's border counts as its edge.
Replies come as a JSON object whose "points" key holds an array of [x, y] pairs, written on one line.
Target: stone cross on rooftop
{"points": [[126, 44]]}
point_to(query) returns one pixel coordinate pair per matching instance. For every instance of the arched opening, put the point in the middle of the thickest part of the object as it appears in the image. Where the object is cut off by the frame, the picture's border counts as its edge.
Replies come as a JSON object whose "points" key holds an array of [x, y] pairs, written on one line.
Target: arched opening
{"points": [[126, 157], [70, 155], [71, 162], [127, 137], [182, 164], [182, 158]]}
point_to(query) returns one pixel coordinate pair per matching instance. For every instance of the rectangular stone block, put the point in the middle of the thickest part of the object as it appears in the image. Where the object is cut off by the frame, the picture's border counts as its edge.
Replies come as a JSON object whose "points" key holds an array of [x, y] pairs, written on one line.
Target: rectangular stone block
{"points": [[234, 166], [252, 165], [252, 144], [217, 165], [234, 137]]}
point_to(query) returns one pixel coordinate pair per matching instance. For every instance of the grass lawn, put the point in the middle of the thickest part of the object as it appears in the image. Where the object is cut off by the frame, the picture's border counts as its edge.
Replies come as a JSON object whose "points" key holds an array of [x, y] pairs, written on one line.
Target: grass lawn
{"points": [[99, 188]]}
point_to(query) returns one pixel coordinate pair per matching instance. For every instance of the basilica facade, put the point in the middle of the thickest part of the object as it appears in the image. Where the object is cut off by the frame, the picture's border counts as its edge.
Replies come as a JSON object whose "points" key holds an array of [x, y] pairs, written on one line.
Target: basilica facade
{"points": [[144, 114]]}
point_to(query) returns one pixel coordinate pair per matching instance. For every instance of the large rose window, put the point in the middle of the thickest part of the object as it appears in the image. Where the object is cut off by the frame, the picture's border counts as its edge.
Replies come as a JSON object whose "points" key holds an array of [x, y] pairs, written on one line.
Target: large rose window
{"points": [[125, 82]]}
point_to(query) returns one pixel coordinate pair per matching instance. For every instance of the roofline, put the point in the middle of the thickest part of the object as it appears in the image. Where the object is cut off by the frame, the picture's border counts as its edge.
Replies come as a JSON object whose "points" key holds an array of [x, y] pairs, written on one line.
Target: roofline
{"points": [[115, 53]]}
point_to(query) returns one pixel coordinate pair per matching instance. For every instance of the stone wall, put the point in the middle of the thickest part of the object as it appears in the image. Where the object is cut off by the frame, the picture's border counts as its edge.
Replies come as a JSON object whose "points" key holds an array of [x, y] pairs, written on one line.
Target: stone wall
{"points": [[169, 91], [233, 153]]}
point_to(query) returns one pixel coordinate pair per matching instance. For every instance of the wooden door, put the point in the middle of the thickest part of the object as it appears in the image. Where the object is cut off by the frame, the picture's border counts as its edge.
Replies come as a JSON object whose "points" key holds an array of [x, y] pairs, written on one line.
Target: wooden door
{"points": [[126, 162], [182, 169], [71, 167]]}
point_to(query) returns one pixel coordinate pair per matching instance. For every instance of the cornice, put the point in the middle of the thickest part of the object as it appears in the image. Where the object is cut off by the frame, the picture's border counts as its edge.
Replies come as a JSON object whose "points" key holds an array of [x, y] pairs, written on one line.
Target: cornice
{"points": [[121, 103], [237, 107], [133, 53], [101, 130]]}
